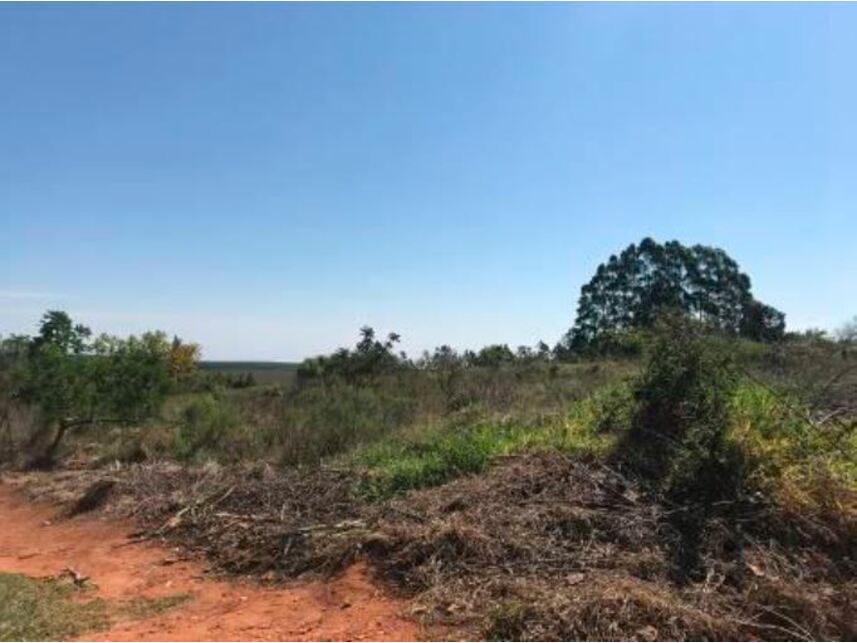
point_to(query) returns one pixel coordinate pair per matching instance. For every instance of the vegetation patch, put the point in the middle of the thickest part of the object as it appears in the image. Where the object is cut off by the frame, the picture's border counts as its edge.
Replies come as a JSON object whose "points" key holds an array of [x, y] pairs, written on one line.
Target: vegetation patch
{"points": [[142, 608], [46, 610], [54, 610], [443, 452]]}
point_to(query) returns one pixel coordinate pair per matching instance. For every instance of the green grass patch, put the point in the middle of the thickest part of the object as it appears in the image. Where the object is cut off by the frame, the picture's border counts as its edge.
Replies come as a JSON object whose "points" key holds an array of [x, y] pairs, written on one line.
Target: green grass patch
{"points": [[46, 610], [445, 451], [788, 450], [51, 610], [393, 467]]}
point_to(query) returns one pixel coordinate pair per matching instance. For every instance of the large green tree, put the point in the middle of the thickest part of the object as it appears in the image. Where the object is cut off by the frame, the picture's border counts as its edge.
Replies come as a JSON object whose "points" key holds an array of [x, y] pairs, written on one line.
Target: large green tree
{"points": [[632, 289], [74, 381]]}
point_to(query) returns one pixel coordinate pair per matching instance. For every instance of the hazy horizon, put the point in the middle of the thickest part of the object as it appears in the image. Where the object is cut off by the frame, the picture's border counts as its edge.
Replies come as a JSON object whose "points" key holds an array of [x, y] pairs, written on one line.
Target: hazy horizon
{"points": [[265, 179]]}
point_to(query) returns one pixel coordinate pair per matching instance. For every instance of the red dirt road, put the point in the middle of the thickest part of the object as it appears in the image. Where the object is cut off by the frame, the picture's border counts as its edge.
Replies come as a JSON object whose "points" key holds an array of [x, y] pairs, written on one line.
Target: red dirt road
{"points": [[348, 607]]}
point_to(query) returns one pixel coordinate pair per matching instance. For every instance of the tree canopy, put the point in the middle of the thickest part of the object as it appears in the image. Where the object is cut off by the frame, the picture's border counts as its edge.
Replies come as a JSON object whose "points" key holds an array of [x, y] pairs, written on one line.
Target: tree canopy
{"points": [[75, 381], [370, 358], [848, 332], [632, 289]]}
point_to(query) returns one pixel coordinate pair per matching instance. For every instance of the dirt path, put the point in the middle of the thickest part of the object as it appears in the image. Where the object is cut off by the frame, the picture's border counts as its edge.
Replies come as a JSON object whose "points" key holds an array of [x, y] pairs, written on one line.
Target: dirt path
{"points": [[348, 607]]}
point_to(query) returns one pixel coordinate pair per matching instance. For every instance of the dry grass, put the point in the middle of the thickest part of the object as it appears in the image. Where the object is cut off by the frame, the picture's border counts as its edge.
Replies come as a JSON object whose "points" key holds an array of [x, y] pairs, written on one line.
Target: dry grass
{"points": [[537, 547], [546, 547]]}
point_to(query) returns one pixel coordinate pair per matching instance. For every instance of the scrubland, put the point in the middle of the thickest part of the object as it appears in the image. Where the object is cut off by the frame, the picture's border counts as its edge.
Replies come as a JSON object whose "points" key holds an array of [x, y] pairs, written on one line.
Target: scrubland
{"points": [[690, 486]]}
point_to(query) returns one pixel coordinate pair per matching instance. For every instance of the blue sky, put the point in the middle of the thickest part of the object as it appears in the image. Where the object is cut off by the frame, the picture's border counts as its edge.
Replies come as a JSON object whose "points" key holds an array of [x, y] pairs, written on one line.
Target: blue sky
{"points": [[265, 179]]}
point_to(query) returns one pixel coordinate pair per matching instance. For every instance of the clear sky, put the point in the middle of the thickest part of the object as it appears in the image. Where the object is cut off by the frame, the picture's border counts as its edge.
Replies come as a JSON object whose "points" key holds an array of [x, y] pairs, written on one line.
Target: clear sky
{"points": [[265, 179]]}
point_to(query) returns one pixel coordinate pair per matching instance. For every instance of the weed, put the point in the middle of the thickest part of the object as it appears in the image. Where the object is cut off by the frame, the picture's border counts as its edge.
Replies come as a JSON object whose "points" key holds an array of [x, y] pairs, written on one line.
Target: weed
{"points": [[808, 468], [507, 622], [48, 610], [210, 426]]}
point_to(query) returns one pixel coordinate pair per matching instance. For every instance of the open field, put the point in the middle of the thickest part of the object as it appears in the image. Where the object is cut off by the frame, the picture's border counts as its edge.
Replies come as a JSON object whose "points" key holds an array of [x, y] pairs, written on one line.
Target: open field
{"points": [[282, 373]]}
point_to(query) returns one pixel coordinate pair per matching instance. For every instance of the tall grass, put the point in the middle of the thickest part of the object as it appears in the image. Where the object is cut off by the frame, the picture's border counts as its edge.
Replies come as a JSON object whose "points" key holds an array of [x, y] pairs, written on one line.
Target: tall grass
{"points": [[324, 420], [467, 443], [793, 458]]}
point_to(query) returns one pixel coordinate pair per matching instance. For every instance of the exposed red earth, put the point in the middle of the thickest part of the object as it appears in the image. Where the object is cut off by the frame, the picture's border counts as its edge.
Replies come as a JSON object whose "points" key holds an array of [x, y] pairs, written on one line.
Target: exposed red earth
{"points": [[33, 541]]}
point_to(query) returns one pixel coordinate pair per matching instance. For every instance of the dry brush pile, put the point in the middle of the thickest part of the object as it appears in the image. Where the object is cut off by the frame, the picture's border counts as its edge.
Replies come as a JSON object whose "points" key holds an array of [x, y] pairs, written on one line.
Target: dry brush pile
{"points": [[540, 546], [547, 547]]}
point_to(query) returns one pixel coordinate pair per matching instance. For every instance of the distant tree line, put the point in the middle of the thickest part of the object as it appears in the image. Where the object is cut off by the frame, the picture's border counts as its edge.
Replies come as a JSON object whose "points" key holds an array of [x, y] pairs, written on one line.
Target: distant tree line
{"points": [[372, 357], [621, 302], [209, 380]]}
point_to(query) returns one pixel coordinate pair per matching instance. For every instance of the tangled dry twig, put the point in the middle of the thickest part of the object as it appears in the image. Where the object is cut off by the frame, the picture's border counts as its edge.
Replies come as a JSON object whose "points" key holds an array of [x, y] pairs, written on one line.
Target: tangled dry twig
{"points": [[537, 547]]}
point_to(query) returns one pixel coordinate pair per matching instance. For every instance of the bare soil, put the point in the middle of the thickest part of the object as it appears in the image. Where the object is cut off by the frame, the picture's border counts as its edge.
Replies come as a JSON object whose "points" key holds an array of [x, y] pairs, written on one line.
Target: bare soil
{"points": [[36, 541]]}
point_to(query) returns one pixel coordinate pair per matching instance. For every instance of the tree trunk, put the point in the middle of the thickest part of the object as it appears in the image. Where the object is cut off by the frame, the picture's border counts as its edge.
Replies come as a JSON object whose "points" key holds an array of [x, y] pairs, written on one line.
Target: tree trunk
{"points": [[61, 431], [47, 459]]}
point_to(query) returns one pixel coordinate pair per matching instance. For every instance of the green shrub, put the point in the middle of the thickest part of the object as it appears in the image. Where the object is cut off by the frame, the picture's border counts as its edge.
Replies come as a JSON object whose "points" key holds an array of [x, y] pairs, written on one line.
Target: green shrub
{"points": [[678, 435], [324, 421], [678, 444], [207, 423], [612, 408]]}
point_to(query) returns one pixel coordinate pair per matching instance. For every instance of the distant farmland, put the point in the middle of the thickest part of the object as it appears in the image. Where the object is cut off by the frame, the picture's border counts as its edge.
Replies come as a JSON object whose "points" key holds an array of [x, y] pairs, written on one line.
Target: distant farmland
{"points": [[263, 372]]}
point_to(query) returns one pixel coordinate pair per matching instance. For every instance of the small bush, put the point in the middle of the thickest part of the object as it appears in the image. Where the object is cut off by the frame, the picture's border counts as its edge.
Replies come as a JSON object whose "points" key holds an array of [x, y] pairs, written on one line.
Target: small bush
{"points": [[678, 444], [611, 408], [678, 435], [323, 421], [206, 425]]}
